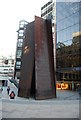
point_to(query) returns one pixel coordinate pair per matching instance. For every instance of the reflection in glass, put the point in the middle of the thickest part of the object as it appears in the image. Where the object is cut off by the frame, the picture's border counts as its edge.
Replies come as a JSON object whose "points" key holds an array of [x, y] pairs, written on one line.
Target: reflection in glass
{"points": [[68, 52]]}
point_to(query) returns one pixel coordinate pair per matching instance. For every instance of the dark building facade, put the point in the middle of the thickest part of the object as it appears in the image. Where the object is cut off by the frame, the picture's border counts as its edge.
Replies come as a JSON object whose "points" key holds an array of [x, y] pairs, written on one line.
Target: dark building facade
{"points": [[20, 38], [37, 77], [68, 52]]}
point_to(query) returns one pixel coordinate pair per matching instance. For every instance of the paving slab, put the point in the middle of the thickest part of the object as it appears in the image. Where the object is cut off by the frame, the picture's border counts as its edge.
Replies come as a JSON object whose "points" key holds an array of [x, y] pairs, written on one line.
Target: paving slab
{"points": [[66, 105], [38, 109]]}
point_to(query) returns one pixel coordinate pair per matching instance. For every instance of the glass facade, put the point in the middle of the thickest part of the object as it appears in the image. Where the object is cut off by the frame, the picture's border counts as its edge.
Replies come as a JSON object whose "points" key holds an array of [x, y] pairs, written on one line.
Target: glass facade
{"points": [[20, 39], [68, 48]]}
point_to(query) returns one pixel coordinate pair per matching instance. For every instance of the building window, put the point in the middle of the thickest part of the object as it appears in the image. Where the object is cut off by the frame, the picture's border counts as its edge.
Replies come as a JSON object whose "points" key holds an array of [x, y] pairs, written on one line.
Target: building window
{"points": [[21, 25], [21, 31], [20, 40], [50, 9], [19, 44], [19, 53], [18, 64], [6, 61], [20, 34]]}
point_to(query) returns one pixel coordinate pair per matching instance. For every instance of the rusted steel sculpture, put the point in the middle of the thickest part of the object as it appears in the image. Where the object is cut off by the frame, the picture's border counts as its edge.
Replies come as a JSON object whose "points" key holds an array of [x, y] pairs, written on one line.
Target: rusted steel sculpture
{"points": [[37, 76]]}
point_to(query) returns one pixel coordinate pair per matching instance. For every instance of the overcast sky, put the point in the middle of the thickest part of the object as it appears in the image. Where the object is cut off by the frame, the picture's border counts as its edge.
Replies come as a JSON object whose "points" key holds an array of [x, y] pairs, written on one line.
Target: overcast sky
{"points": [[11, 12]]}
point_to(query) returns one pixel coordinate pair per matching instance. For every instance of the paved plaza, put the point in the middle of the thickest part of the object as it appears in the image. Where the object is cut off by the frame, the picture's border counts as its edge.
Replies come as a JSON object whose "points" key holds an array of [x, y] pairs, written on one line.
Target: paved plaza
{"points": [[66, 105], [40, 109]]}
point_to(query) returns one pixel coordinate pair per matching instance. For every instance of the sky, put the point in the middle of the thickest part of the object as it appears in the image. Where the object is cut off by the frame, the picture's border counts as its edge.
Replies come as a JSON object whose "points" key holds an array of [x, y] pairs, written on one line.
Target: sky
{"points": [[11, 12]]}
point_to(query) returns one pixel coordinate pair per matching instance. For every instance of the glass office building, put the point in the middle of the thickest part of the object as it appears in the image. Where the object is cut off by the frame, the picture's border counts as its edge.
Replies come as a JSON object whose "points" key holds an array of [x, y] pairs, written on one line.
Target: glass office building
{"points": [[68, 48]]}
